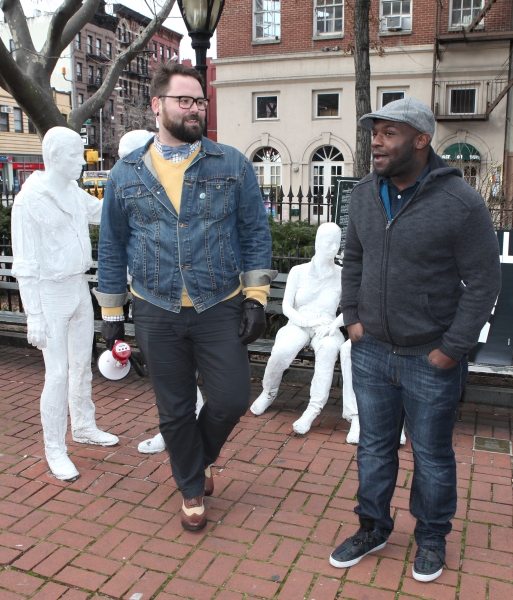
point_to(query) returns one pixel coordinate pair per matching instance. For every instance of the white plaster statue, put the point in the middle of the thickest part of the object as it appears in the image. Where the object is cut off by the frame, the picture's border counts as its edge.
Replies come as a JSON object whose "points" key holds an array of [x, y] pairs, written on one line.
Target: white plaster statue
{"points": [[133, 140], [127, 144], [349, 406], [52, 251], [310, 302]]}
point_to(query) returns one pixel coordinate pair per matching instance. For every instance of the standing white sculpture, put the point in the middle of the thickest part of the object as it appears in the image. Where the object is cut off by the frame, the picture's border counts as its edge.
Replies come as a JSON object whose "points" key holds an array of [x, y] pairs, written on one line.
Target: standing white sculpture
{"points": [[52, 251], [310, 302]]}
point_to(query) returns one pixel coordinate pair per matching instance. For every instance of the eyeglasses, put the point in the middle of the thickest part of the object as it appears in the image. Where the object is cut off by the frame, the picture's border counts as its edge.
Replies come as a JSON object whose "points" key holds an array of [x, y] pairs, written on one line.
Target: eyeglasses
{"points": [[187, 101]]}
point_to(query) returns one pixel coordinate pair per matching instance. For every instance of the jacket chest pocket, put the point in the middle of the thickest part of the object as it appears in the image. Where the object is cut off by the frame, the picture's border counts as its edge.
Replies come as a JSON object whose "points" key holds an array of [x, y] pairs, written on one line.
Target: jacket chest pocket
{"points": [[140, 205], [217, 197]]}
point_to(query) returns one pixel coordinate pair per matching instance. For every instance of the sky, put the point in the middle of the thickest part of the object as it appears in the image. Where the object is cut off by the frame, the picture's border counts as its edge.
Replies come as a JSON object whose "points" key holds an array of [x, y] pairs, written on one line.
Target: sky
{"points": [[174, 21]]}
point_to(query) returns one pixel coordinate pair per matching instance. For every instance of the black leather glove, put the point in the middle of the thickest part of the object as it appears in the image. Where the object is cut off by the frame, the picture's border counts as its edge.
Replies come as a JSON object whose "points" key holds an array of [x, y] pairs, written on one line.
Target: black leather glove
{"points": [[112, 331], [252, 321]]}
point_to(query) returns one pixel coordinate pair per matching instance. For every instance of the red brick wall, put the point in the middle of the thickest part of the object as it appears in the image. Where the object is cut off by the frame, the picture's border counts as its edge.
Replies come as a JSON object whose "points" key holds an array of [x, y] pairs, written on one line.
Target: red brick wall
{"points": [[234, 32]]}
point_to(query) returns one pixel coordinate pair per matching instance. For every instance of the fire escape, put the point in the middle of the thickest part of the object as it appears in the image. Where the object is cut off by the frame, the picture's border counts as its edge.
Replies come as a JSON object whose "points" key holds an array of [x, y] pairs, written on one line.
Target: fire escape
{"points": [[471, 99]]}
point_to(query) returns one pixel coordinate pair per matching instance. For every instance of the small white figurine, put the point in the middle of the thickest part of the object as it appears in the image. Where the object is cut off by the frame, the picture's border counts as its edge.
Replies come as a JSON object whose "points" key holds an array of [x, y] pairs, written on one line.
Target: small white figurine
{"points": [[52, 251], [310, 302], [349, 406]]}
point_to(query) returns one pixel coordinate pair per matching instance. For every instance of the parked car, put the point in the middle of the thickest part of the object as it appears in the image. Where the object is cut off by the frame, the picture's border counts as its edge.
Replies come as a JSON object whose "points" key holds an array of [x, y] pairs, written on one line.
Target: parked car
{"points": [[94, 182]]}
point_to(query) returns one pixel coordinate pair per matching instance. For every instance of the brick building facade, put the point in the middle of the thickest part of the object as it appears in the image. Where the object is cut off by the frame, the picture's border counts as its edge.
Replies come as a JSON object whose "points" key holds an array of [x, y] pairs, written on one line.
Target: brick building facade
{"points": [[285, 82]]}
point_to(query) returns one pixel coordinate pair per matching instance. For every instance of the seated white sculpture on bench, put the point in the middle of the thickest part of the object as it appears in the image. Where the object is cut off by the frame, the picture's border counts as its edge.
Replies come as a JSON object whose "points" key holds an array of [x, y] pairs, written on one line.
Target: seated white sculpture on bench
{"points": [[52, 251], [312, 296], [349, 406]]}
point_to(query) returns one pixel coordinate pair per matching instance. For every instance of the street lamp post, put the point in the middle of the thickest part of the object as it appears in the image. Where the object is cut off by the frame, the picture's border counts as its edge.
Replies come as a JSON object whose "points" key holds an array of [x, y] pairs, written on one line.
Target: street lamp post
{"points": [[201, 18]]}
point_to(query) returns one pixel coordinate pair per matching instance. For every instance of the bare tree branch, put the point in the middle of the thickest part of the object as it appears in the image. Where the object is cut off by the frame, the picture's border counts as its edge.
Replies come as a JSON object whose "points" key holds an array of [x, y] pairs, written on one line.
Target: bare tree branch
{"points": [[79, 19], [29, 95], [66, 22], [17, 22], [93, 104], [57, 24]]}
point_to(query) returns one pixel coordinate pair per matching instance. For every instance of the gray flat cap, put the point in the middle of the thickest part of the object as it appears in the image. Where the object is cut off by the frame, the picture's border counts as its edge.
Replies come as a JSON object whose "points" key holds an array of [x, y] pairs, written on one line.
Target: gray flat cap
{"points": [[408, 110]]}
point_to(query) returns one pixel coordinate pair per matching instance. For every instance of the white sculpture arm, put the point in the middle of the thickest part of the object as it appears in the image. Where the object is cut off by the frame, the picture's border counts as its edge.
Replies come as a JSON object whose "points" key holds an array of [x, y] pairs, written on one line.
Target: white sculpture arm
{"points": [[25, 242], [288, 300], [94, 208]]}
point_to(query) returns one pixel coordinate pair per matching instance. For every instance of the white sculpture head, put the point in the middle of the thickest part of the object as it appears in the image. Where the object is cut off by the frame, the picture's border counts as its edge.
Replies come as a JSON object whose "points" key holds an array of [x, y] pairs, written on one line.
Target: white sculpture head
{"points": [[63, 154], [327, 241], [133, 140]]}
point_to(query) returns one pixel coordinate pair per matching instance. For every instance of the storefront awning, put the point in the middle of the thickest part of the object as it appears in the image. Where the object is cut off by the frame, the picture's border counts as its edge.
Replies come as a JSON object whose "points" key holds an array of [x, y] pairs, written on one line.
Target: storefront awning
{"points": [[462, 152]]}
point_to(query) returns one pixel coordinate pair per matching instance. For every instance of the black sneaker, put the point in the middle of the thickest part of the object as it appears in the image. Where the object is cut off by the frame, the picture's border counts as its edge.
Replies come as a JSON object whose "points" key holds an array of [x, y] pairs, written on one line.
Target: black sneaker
{"points": [[352, 550], [429, 563]]}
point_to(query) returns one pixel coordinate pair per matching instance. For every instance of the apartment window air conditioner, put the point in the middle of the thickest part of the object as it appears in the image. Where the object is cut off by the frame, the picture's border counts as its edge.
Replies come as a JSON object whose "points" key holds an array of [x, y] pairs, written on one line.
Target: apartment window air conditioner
{"points": [[6, 109], [394, 23]]}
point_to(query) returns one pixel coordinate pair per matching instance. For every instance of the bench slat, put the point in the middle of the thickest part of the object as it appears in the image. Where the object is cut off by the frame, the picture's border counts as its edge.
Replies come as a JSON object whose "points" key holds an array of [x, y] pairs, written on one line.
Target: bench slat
{"points": [[9, 285]]}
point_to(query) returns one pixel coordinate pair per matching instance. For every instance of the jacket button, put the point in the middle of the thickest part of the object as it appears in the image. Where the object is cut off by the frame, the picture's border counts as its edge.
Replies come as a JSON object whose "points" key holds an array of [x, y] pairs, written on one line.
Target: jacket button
{"points": [[202, 195]]}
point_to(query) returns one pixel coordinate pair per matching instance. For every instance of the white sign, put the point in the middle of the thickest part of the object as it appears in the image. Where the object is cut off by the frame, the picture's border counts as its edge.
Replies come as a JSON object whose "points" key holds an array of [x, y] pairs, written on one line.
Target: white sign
{"points": [[85, 139]]}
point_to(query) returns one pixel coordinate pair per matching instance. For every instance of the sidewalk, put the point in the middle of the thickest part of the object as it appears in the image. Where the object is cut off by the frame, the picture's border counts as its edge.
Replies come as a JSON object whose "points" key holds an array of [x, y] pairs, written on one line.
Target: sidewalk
{"points": [[281, 504]]}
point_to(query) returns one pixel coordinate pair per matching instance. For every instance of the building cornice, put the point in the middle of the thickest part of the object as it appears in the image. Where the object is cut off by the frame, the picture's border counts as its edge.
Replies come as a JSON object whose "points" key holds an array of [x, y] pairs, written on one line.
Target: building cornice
{"points": [[317, 55]]}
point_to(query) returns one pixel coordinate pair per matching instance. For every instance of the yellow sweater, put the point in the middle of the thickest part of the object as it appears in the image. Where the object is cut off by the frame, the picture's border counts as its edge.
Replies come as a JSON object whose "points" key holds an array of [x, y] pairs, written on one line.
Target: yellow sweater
{"points": [[170, 175]]}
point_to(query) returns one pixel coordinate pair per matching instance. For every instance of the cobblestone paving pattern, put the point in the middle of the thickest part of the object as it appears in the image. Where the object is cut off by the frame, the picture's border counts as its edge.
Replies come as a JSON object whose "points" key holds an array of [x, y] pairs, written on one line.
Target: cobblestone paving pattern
{"points": [[281, 503]]}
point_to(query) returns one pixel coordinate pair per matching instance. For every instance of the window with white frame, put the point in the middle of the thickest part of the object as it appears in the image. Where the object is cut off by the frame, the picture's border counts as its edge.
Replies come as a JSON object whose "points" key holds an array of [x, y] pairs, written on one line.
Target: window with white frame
{"points": [[329, 17], [463, 100], [388, 96], [327, 104], [80, 99], [395, 15], [267, 166], [266, 107], [464, 11], [18, 120], [266, 19], [327, 167], [98, 47]]}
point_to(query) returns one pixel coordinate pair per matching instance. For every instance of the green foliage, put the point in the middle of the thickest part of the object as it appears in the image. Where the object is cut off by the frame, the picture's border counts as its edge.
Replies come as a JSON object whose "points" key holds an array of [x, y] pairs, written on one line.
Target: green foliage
{"points": [[5, 220], [94, 234], [286, 236]]}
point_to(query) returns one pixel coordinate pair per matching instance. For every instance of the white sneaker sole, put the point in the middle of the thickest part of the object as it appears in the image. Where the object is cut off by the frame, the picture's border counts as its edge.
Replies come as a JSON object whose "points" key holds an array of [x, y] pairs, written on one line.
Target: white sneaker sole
{"points": [[425, 578], [350, 563], [93, 443]]}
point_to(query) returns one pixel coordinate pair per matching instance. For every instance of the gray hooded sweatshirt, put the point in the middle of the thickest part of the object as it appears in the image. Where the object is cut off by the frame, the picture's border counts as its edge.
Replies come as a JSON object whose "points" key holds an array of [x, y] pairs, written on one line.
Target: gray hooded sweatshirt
{"points": [[429, 278]]}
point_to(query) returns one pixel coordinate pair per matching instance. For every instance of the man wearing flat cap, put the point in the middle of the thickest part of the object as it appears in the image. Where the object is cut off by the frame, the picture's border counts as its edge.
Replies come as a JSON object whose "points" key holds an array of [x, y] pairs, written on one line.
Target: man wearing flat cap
{"points": [[421, 275]]}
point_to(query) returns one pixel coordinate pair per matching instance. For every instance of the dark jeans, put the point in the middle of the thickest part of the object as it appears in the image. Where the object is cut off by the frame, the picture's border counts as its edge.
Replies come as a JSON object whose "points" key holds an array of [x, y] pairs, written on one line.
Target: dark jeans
{"points": [[390, 389], [174, 345]]}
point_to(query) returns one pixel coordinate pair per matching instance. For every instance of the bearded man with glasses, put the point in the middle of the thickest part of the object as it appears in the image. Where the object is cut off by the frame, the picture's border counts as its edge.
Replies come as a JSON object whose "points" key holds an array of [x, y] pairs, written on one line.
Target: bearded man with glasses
{"points": [[186, 216]]}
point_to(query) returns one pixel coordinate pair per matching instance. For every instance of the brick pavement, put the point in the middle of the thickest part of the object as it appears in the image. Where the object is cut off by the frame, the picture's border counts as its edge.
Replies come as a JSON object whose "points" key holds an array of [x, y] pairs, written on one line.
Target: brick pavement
{"points": [[282, 502]]}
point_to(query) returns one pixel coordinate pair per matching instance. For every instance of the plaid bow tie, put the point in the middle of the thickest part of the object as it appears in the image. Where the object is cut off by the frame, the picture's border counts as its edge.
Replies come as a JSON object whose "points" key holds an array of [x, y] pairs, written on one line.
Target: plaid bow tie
{"points": [[169, 152]]}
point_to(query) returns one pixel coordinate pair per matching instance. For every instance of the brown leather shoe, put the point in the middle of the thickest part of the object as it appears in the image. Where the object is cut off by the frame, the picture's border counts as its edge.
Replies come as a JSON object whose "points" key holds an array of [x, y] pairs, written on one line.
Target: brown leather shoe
{"points": [[209, 481], [194, 515]]}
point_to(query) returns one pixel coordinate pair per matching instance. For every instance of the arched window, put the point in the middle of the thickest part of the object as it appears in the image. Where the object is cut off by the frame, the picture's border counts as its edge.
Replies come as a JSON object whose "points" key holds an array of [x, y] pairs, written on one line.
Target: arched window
{"points": [[467, 158], [267, 165], [327, 167]]}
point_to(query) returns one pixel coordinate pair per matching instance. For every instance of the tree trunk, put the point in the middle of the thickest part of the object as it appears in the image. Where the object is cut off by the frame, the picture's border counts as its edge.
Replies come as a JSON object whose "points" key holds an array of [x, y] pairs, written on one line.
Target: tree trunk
{"points": [[362, 85]]}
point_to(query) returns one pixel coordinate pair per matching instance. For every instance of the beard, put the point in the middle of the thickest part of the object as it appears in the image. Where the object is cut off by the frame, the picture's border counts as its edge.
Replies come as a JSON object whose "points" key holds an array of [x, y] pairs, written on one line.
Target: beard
{"points": [[401, 162], [185, 132]]}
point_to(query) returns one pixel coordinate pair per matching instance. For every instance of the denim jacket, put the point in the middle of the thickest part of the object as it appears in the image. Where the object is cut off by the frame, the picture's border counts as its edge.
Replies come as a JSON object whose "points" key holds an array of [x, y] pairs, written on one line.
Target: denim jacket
{"points": [[220, 236]]}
